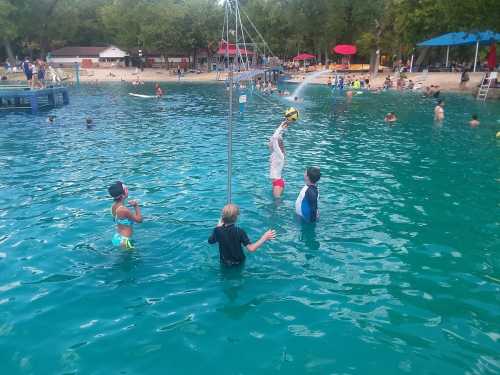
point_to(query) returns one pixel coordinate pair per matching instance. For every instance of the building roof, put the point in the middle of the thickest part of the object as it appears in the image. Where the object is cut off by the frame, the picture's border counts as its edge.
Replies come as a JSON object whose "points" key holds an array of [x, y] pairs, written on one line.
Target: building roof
{"points": [[78, 51]]}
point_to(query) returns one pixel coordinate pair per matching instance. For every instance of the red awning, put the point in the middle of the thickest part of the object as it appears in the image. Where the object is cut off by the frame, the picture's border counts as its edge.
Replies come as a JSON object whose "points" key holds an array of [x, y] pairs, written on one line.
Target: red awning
{"points": [[345, 49], [233, 51], [492, 57], [304, 56]]}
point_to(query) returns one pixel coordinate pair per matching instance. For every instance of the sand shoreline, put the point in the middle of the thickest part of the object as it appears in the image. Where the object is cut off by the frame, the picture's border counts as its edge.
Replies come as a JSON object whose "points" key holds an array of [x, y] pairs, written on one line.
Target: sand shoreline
{"points": [[446, 81]]}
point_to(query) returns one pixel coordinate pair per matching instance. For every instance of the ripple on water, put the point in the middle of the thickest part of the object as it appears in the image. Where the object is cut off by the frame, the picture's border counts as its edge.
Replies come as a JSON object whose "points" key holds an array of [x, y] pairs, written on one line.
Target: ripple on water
{"points": [[401, 270]]}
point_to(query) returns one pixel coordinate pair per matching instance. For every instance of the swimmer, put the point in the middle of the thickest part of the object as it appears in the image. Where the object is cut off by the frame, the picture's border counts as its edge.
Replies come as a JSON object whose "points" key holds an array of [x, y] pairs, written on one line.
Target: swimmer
{"points": [[230, 237], [390, 117], [474, 121], [89, 122], [297, 99], [51, 119], [439, 111], [306, 205], [158, 91], [123, 216], [349, 94]]}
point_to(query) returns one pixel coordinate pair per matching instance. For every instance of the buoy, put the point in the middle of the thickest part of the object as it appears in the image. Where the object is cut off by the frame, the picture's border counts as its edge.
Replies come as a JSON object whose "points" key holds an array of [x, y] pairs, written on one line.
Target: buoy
{"points": [[498, 134]]}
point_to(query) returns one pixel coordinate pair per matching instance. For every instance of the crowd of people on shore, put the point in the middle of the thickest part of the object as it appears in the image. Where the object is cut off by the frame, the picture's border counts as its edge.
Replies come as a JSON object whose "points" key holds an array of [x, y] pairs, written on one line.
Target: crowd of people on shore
{"points": [[36, 72]]}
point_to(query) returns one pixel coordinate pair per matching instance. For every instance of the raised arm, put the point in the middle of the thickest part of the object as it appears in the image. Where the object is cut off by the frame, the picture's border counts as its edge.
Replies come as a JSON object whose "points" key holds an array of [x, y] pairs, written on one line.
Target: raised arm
{"points": [[136, 216]]}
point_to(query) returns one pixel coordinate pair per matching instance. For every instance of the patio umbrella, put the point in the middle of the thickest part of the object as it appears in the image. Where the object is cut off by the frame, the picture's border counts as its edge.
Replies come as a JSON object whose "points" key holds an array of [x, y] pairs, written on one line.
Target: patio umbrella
{"points": [[345, 49], [492, 57], [304, 56]]}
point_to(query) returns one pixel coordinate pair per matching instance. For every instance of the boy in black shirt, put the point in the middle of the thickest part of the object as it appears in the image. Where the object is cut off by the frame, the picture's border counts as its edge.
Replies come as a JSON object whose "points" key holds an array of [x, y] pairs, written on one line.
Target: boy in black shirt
{"points": [[230, 237]]}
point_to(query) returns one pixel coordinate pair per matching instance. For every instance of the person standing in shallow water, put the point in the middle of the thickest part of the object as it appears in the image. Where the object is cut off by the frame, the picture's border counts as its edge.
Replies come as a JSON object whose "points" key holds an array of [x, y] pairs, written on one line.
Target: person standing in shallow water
{"points": [[439, 111], [123, 216], [306, 205], [230, 237]]}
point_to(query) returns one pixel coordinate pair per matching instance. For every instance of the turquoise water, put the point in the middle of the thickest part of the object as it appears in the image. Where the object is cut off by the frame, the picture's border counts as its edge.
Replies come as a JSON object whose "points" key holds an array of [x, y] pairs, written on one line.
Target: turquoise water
{"points": [[400, 275]]}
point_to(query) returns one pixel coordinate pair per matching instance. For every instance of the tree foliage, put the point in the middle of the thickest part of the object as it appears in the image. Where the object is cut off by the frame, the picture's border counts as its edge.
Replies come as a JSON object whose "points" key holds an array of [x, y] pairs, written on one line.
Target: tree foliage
{"points": [[288, 26]]}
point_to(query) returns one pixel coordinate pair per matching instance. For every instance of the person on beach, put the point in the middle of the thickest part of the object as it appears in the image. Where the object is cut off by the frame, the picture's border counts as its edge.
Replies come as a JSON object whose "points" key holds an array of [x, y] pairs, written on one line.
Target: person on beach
{"points": [[390, 117], [34, 75], [474, 121], [179, 73], [277, 149], [230, 237], [27, 70], [158, 91], [439, 111], [123, 216], [464, 78], [306, 205], [41, 74]]}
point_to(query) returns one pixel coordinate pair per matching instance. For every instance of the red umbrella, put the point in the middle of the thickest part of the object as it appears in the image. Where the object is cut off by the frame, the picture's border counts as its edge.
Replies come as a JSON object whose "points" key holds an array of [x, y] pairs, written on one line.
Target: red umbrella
{"points": [[345, 49], [492, 57], [304, 56]]}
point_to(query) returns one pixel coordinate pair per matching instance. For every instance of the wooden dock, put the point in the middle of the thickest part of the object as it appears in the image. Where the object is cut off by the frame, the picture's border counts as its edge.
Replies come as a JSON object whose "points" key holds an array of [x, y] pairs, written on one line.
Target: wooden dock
{"points": [[16, 97]]}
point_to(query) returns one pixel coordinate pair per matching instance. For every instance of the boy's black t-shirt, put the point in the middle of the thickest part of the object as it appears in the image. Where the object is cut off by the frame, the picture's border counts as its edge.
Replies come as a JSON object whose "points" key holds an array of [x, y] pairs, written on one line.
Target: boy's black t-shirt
{"points": [[230, 238]]}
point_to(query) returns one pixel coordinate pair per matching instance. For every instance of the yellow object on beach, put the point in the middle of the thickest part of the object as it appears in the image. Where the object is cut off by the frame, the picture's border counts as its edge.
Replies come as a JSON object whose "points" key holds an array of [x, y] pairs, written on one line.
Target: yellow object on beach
{"points": [[292, 114]]}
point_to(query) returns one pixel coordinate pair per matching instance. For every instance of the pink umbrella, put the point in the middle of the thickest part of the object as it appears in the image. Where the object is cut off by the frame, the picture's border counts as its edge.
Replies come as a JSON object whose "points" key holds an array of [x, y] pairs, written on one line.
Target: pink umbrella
{"points": [[345, 49], [304, 56]]}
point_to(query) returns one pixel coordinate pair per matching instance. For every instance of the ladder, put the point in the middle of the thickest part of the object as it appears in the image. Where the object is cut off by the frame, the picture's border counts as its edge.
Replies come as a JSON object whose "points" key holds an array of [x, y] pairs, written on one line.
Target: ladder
{"points": [[482, 93]]}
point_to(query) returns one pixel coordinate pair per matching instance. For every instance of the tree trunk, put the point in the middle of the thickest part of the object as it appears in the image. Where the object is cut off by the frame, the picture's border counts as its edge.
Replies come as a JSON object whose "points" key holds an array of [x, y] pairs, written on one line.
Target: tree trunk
{"points": [[8, 51], [375, 55]]}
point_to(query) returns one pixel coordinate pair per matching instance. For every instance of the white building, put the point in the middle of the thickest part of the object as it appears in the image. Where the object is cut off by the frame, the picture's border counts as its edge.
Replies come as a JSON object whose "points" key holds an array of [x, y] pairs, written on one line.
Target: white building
{"points": [[88, 57]]}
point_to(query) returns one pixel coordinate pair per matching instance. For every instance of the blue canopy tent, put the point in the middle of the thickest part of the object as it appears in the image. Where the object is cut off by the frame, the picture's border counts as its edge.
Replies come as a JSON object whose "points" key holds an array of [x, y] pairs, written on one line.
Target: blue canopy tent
{"points": [[462, 39]]}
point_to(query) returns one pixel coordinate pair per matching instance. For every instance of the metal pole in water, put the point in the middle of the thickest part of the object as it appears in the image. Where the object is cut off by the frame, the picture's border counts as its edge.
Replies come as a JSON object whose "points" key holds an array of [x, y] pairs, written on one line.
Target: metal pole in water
{"points": [[77, 73], [230, 137]]}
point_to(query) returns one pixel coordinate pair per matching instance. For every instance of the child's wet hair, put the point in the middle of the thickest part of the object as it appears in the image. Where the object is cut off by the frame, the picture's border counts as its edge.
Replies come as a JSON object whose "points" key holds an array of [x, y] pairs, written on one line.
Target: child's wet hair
{"points": [[230, 213], [313, 174]]}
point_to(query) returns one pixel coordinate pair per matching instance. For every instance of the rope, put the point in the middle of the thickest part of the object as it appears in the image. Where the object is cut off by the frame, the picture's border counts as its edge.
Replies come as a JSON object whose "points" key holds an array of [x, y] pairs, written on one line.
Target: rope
{"points": [[258, 33], [269, 101]]}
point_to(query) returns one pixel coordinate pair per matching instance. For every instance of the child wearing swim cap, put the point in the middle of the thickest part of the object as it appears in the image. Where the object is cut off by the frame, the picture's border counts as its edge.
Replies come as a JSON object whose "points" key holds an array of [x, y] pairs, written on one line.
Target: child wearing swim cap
{"points": [[230, 237], [123, 216]]}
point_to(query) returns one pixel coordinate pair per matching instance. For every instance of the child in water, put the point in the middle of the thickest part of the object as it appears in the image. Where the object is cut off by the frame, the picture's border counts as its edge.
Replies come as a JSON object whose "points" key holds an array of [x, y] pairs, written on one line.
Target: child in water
{"points": [[277, 148], [439, 111], [123, 216], [390, 117], [158, 91], [306, 205], [474, 121], [230, 237]]}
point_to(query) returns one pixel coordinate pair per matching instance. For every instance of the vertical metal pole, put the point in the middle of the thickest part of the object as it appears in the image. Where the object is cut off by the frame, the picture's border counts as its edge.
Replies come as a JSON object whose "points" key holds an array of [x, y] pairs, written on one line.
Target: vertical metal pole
{"points": [[411, 63], [475, 58], [447, 55], [77, 73], [230, 138]]}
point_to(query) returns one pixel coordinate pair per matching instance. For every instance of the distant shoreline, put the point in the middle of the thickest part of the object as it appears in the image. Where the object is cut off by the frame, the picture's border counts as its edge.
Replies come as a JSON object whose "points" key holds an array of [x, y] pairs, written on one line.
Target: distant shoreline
{"points": [[447, 82]]}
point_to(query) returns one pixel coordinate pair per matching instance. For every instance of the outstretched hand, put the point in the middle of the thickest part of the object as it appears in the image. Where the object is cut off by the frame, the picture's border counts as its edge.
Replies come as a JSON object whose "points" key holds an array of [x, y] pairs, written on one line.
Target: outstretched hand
{"points": [[269, 235]]}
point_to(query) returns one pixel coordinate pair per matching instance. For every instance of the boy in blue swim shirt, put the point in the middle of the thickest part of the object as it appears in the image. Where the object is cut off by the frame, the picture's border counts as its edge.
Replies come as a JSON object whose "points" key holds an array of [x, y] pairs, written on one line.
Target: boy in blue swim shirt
{"points": [[306, 205]]}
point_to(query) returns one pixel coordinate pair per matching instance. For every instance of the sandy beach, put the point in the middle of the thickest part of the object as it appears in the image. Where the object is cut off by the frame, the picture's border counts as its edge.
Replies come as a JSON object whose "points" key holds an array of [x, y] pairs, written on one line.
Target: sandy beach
{"points": [[445, 81]]}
